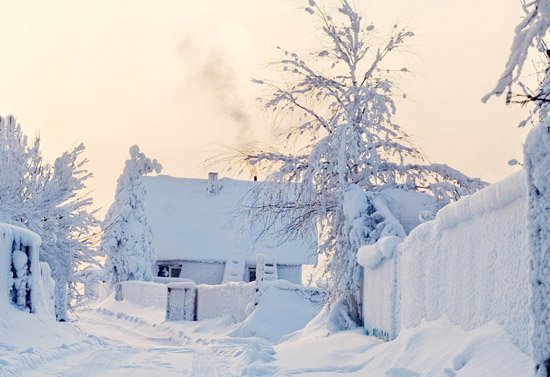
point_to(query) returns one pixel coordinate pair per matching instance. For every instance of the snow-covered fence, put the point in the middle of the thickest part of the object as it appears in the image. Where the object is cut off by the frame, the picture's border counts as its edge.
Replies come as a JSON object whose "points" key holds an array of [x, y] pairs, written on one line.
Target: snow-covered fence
{"points": [[20, 272], [470, 264], [182, 301], [145, 293], [379, 298], [230, 298]]}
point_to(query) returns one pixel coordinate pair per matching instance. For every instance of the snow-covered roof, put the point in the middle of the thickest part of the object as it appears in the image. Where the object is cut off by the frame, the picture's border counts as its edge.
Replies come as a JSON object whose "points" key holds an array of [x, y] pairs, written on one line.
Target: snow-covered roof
{"points": [[407, 205], [189, 223]]}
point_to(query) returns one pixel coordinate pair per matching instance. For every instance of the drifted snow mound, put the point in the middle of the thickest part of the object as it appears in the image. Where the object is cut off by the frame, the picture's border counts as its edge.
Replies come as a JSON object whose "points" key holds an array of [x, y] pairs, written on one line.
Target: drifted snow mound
{"points": [[282, 308], [433, 349]]}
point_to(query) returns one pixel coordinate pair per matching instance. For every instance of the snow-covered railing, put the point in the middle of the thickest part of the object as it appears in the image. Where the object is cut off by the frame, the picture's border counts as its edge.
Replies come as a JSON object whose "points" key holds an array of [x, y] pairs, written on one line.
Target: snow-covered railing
{"points": [[470, 264], [20, 271]]}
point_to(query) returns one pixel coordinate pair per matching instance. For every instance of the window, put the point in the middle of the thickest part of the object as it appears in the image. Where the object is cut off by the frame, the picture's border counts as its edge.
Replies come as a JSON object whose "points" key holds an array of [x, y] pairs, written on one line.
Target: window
{"points": [[175, 271], [163, 271], [169, 271], [251, 273]]}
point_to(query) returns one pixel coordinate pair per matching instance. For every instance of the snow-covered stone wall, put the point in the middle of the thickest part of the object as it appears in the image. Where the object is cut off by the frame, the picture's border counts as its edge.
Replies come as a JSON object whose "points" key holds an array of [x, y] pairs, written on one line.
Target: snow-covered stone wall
{"points": [[20, 270], [471, 264]]}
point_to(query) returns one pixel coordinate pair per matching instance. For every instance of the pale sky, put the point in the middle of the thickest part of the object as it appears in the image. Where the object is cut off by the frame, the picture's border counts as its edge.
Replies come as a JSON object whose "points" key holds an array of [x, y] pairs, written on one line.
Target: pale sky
{"points": [[113, 73]]}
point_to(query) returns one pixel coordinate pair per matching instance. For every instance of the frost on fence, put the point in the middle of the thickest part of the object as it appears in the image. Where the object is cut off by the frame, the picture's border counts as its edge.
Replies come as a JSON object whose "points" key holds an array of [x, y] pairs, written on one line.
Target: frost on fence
{"points": [[20, 273]]}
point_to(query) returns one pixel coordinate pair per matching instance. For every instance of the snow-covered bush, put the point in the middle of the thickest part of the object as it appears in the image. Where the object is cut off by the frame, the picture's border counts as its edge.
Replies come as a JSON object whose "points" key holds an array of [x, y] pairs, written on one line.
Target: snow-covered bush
{"points": [[127, 237]]}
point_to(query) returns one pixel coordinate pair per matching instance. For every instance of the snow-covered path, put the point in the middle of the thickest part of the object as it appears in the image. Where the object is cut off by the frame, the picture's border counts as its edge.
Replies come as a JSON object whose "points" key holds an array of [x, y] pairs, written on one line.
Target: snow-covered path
{"points": [[118, 344], [121, 339]]}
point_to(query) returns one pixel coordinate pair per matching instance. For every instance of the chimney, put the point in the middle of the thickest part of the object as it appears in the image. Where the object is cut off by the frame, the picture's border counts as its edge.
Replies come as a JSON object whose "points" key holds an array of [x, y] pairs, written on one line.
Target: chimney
{"points": [[213, 186]]}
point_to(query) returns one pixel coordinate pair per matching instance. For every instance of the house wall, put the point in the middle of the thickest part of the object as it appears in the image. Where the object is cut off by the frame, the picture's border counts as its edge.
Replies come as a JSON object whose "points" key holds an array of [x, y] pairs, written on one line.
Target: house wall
{"points": [[471, 264], [200, 272], [291, 273]]}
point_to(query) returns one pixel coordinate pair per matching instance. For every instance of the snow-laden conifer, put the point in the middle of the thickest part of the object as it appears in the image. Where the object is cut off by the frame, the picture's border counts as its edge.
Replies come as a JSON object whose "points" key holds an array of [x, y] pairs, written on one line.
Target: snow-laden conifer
{"points": [[127, 237]]}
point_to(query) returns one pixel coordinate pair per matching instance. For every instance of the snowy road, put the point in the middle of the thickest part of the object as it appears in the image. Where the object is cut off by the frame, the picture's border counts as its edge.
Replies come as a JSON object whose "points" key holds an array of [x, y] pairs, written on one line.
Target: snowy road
{"points": [[122, 345]]}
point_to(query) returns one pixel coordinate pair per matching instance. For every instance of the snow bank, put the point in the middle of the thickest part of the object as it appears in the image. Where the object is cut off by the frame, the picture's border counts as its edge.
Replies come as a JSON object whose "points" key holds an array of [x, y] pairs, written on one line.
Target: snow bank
{"points": [[436, 348], [470, 264], [145, 293], [282, 308], [230, 298]]}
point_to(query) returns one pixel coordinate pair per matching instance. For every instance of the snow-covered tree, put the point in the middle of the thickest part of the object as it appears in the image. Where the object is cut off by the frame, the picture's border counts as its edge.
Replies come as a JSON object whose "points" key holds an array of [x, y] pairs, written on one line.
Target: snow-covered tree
{"points": [[49, 200], [530, 34], [127, 237], [337, 105]]}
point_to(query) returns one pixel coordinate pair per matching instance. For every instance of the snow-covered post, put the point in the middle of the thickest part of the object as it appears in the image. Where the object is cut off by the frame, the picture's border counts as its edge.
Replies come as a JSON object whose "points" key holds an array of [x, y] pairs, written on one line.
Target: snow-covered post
{"points": [[537, 164], [128, 239]]}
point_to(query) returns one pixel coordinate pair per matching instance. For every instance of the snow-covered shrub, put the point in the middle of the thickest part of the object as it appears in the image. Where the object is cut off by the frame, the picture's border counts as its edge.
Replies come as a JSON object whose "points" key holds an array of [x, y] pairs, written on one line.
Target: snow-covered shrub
{"points": [[127, 237]]}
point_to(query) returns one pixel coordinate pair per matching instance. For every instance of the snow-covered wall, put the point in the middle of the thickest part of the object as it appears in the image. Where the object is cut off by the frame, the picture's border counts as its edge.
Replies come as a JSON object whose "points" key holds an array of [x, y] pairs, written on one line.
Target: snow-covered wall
{"points": [[291, 273], [20, 270], [145, 293], [470, 264], [230, 298]]}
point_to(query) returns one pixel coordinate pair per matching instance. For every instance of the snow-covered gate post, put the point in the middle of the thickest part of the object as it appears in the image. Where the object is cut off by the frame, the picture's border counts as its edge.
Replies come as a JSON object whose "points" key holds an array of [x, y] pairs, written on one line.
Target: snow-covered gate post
{"points": [[537, 164], [181, 302]]}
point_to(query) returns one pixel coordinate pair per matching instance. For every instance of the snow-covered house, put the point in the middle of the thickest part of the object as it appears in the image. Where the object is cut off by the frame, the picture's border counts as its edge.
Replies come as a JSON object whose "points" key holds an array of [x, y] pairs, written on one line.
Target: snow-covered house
{"points": [[196, 234]]}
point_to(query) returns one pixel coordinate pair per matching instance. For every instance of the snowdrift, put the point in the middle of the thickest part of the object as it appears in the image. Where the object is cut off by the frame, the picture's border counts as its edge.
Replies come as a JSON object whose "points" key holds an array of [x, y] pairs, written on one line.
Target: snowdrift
{"points": [[281, 309]]}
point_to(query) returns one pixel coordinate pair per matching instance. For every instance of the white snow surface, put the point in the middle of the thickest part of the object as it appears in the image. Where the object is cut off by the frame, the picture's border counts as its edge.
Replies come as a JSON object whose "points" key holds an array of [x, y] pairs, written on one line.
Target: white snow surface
{"points": [[125, 339], [281, 309], [189, 223]]}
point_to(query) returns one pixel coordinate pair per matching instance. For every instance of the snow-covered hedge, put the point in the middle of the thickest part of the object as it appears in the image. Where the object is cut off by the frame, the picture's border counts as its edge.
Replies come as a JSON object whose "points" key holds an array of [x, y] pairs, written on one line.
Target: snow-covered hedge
{"points": [[20, 269], [230, 298], [145, 293], [470, 264]]}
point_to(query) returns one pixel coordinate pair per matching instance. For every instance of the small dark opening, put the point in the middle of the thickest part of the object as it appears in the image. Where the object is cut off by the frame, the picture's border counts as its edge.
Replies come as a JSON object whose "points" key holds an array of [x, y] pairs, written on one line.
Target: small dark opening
{"points": [[252, 273], [255, 178]]}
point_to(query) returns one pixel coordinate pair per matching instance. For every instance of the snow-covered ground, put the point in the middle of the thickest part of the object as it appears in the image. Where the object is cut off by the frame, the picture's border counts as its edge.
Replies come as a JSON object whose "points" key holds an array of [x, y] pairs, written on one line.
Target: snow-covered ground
{"points": [[123, 339]]}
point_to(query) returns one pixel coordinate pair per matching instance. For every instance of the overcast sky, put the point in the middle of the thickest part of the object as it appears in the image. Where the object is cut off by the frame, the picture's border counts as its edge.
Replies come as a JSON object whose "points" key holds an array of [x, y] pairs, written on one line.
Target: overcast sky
{"points": [[174, 77]]}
